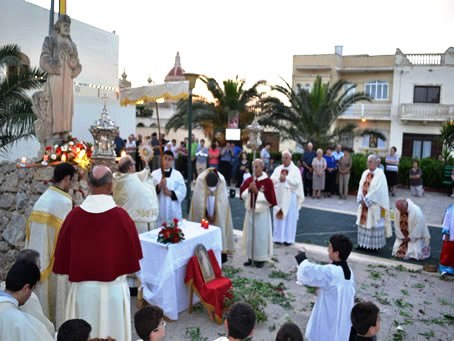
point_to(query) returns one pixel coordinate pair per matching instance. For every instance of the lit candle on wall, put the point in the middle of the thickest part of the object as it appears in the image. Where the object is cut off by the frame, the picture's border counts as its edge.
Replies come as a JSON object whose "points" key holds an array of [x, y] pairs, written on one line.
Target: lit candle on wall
{"points": [[63, 158], [23, 160]]}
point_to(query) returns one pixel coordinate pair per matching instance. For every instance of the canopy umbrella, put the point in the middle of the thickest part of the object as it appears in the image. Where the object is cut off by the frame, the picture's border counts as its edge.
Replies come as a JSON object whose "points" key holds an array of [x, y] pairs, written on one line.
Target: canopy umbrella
{"points": [[151, 93]]}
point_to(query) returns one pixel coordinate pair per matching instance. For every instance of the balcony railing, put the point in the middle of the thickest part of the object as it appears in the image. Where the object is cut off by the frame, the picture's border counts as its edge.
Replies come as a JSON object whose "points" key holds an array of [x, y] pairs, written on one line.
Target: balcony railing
{"points": [[377, 112], [425, 59], [426, 112]]}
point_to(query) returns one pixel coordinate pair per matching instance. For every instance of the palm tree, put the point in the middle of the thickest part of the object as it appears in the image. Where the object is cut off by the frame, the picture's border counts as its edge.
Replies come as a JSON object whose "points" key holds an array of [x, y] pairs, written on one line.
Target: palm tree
{"points": [[311, 115], [16, 115], [212, 117]]}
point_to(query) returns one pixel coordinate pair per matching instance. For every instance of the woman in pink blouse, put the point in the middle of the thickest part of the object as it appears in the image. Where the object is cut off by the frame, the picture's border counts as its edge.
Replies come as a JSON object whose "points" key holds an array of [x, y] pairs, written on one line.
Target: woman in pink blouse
{"points": [[213, 155]]}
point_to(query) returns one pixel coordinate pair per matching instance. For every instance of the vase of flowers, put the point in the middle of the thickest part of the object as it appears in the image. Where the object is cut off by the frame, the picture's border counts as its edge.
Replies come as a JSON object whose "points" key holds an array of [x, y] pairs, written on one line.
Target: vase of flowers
{"points": [[170, 233]]}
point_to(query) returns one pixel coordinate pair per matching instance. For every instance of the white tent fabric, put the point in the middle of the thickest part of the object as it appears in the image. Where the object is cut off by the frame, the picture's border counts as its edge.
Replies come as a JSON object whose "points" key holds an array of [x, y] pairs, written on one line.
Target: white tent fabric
{"points": [[167, 91]]}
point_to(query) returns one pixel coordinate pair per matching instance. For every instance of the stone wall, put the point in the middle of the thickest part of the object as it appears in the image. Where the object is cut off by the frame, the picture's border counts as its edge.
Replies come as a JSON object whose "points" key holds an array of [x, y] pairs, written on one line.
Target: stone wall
{"points": [[20, 188]]}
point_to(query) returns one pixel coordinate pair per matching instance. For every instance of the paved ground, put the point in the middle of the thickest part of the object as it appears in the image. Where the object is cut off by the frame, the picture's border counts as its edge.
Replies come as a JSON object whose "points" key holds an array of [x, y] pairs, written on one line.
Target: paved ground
{"points": [[414, 305]]}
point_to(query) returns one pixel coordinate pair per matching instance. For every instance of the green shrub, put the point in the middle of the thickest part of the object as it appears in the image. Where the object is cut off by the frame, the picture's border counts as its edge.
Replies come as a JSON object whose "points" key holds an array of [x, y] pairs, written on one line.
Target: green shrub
{"points": [[359, 164], [405, 164], [432, 172]]}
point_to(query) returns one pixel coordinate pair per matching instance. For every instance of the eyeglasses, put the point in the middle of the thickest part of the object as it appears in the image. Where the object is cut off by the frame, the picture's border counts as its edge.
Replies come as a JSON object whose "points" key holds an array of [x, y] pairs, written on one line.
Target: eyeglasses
{"points": [[161, 325]]}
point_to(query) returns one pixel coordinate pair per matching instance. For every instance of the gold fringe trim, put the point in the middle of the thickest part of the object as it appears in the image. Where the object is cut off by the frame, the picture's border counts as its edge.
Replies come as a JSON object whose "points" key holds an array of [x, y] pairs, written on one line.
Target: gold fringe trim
{"points": [[145, 99], [207, 305]]}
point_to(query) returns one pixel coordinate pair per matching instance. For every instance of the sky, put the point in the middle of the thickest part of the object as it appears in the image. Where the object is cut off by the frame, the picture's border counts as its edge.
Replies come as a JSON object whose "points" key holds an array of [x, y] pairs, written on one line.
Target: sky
{"points": [[256, 39]]}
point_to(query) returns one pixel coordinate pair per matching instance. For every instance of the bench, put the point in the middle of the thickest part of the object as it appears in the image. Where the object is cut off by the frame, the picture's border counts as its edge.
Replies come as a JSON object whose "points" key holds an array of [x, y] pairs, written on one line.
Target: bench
{"points": [[447, 181]]}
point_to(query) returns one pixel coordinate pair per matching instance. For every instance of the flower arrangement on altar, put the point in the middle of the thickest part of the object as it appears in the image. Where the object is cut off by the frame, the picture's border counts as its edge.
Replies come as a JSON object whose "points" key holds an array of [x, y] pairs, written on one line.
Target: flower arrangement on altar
{"points": [[72, 150], [170, 233]]}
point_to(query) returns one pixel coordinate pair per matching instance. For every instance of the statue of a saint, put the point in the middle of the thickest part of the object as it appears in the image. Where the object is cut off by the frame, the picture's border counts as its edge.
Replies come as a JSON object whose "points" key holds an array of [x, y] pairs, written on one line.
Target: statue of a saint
{"points": [[59, 59]]}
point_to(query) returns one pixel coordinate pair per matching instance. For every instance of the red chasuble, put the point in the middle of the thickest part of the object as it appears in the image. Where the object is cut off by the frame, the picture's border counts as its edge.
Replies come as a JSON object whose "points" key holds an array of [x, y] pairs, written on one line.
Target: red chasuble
{"points": [[265, 186], [97, 246]]}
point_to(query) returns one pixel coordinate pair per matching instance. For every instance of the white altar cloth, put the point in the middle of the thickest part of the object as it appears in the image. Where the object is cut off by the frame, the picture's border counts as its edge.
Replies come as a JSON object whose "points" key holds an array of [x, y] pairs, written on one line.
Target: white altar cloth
{"points": [[163, 266]]}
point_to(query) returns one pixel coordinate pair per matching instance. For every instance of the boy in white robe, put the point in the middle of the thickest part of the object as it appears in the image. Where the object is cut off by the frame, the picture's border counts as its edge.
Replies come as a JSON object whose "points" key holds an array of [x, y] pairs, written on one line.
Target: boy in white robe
{"points": [[288, 185], [330, 318], [412, 233], [170, 188], [14, 323]]}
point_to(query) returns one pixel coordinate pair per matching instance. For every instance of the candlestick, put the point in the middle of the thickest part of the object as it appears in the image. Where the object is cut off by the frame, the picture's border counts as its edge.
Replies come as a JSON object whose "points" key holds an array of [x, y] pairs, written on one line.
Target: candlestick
{"points": [[63, 158], [45, 160], [23, 161]]}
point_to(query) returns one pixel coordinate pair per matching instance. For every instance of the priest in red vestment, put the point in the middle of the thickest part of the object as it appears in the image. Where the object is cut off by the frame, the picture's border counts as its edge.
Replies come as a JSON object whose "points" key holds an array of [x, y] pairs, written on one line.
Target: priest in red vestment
{"points": [[97, 247], [258, 195]]}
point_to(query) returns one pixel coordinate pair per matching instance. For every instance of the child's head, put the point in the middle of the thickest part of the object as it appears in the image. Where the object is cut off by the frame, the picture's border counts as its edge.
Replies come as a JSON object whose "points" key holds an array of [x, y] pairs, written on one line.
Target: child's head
{"points": [[289, 332], [339, 247], [299, 163], [74, 330], [149, 323], [240, 321], [366, 319]]}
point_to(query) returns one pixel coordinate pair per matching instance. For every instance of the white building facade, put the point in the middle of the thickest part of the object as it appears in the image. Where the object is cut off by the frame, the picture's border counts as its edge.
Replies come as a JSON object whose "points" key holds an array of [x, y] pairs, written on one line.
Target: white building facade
{"points": [[27, 25], [423, 99]]}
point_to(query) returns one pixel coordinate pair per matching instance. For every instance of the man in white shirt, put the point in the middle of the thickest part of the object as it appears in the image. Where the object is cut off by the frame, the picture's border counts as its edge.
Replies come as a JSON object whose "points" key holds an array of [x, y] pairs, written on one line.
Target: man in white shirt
{"points": [[338, 153], [15, 324]]}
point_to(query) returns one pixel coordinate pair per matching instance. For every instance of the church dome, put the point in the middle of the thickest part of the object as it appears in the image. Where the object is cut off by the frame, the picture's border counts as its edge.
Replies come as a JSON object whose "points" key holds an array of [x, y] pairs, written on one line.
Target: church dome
{"points": [[176, 73]]}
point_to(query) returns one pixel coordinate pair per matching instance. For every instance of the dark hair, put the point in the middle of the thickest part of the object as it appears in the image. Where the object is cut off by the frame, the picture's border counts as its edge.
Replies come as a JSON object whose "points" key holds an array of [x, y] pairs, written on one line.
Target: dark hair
{"points": [[202, 140], [240, 320], [146, 320], [154, 134], [124, 167], [28, 255], [74, 330], [289, 332], [21, 273], [62, 170], [416, 162], [342, 244], [268, 144], [364, 315], [395, 149], [102, 181], [168, 152]]}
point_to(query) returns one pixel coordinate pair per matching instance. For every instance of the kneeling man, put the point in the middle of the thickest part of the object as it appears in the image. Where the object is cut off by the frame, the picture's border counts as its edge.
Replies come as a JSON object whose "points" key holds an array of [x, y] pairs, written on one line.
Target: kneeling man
{"points": [[412, 233]]}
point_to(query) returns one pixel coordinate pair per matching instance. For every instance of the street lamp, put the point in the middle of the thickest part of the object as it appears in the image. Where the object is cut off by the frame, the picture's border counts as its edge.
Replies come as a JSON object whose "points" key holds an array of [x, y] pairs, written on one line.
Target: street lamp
{"points": [[192, 78]]}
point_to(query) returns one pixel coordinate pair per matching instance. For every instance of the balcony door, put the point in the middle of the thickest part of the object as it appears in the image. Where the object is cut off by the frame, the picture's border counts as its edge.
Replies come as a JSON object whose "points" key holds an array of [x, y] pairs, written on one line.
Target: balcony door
{"points": [[419, 146]]}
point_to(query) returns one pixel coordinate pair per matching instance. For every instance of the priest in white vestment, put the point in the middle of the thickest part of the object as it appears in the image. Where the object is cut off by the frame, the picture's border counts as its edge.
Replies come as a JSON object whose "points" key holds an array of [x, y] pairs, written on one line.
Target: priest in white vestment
{"points": [[330, 317], [135, 192], [412, 233], [373, 218], [258, 195], [288, 185], [171, 190], [41, 234], [210, 201], [97, 247], [15, 324]]}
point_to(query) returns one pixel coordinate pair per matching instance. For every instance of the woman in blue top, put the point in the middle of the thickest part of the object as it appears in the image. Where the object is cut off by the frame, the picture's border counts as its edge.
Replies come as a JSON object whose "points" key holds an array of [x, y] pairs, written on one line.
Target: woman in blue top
{"points": [[331, 170]]}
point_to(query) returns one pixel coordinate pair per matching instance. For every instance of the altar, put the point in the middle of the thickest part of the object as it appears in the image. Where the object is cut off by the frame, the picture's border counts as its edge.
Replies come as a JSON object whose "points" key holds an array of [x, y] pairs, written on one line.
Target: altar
{"points": [[163, 266]]}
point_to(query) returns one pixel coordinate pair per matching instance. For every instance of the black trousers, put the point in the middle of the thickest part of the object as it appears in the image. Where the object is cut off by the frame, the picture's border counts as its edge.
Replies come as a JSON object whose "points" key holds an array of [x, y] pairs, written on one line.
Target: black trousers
{"points": [[307, 183], [225, 167], [330, 182]]}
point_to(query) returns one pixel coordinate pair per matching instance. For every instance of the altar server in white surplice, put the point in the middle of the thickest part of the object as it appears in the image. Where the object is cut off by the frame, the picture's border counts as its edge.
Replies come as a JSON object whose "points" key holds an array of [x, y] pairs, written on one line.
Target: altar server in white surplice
{"points": [[171, 190], [41, 234], [412, 233], [288, 185], [15, 324], [32, 306], [210, 201], [330, 317], [135, 192]]}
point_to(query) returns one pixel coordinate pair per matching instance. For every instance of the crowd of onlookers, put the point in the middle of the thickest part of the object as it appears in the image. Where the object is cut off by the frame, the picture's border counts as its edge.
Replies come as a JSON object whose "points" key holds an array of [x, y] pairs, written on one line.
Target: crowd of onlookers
{"points": [[326, 172]]}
